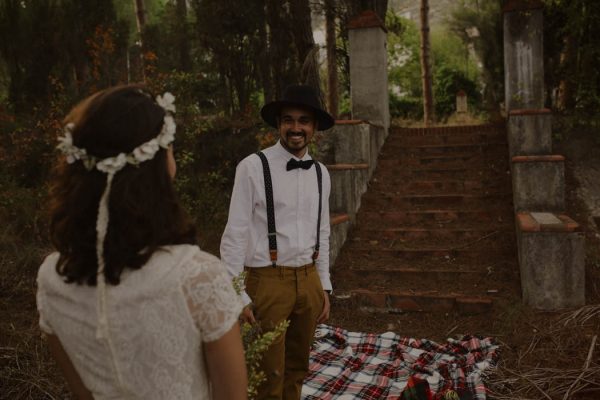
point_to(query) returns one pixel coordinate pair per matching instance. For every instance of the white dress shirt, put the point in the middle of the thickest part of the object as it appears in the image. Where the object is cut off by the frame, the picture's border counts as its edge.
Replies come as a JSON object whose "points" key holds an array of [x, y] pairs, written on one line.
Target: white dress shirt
{"points": [[296, 200]]}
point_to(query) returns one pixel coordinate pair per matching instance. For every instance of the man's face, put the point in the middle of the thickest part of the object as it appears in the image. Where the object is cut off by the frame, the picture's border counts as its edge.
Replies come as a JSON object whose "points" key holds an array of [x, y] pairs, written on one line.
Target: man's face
{"points": [[296, 129]]}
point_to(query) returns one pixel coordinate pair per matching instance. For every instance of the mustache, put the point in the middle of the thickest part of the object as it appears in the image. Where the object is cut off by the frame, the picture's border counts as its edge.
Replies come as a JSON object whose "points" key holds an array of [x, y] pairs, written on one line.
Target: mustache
{"points": [[296, 133]]}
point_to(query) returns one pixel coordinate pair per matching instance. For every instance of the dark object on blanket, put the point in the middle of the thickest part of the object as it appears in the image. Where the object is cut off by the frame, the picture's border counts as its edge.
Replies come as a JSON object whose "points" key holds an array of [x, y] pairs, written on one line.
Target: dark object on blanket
{"points": [[417, 389]]}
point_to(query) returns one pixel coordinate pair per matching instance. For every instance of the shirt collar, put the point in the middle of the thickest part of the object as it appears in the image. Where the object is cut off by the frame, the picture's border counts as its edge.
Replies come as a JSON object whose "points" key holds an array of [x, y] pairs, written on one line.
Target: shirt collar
{"points": [[281, 151]]}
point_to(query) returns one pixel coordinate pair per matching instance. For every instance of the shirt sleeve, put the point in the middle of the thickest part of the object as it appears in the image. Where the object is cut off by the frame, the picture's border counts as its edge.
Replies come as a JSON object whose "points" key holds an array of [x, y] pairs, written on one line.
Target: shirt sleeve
{"points": [[323, 260], [211, 299], [41, 296], [235, 237]]}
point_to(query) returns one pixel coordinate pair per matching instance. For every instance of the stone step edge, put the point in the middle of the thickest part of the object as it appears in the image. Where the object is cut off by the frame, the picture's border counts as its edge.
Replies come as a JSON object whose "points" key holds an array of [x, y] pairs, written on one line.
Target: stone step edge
{"points": [[336, 219], [529, 111], [410, 270], [435, 230], [419, 301], [446, 196], [347, 167], [384, 213], [436, 251], [442, 146], [356, 122], [544, 158], [527, 223], [446, 130]]}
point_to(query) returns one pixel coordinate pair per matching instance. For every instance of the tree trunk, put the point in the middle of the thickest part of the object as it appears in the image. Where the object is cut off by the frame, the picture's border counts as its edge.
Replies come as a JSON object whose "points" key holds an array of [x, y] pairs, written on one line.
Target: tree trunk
{"points": [[276, 47], [332, 77], [305, 44], [140, 15], [566, 91], [428, 115], [264, 66], [185, 62]]}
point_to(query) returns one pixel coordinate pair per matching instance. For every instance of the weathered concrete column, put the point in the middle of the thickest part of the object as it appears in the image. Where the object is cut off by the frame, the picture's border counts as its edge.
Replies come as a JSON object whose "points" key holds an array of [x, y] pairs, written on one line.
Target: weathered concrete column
{"points": [[523, 55], [552, 260], [529, 132], [538, 183], [368, 69]]}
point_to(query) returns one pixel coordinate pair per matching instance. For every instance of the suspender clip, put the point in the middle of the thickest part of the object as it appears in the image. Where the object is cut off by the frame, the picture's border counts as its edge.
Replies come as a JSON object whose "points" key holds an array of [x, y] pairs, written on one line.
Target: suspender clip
{"points": [[273, 254]]}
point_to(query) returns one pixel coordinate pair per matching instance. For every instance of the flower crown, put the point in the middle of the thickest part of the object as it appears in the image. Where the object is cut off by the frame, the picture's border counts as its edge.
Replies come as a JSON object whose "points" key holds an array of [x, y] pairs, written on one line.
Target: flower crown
{"points": [[143, 152]]}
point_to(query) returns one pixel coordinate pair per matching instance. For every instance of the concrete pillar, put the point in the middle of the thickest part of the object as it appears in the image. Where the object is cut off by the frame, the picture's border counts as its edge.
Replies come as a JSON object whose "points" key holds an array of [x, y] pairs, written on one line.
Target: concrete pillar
{"points": [[552, 260], [529, 132], [368, 69], [523, 55], [538, 183]]}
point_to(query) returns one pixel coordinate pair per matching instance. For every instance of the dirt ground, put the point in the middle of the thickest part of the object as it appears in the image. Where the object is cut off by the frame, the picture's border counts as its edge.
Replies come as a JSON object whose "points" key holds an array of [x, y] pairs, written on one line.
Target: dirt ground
{"points": [[543, 354]]}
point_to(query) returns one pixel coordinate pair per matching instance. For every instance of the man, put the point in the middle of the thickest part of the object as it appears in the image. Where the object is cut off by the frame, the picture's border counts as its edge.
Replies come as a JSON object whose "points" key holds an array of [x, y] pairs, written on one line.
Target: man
{"points": [[274, 232]]}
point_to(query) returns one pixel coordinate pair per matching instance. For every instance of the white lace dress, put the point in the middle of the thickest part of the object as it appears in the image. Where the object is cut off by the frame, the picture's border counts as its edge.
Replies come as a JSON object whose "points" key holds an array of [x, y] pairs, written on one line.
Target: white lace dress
{"points": [[158, 317]]}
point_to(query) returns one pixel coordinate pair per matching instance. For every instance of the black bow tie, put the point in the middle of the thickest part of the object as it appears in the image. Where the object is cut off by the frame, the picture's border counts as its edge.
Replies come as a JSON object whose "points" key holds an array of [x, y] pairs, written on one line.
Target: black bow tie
{"points": [[293, 164]]}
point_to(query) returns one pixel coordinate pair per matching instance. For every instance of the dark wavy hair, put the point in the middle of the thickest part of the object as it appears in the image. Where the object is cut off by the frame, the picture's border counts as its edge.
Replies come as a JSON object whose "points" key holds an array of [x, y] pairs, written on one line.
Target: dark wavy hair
{"points": [[144, 212]]}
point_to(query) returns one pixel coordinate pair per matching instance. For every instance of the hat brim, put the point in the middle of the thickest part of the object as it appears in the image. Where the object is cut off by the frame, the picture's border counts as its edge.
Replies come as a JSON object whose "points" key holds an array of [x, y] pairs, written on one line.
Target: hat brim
{"points": [[271, 111]]}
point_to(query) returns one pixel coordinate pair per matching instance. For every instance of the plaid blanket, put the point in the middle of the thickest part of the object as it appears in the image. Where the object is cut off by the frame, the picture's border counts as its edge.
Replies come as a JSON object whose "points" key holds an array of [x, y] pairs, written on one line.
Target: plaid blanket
{"points": [[354, 365]]}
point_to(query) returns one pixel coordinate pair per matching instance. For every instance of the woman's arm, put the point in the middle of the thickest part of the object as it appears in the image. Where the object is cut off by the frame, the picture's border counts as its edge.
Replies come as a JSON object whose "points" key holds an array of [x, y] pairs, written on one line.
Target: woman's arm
{"points": [[227, 367], [72, 377]]}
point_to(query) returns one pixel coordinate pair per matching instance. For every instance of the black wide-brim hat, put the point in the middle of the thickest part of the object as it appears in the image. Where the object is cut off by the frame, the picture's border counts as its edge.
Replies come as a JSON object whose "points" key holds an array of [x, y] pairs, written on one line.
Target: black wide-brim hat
{"points": [[298, 96]]}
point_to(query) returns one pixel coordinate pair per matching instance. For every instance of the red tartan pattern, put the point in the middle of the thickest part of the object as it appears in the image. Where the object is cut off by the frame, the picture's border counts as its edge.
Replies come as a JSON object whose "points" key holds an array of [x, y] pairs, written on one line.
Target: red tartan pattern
{"points": [[353, 365]]}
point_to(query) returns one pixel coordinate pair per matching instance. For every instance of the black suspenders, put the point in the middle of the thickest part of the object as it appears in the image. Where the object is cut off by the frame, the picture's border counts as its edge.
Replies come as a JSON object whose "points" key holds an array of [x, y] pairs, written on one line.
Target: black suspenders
{"points": [[271, 209]]}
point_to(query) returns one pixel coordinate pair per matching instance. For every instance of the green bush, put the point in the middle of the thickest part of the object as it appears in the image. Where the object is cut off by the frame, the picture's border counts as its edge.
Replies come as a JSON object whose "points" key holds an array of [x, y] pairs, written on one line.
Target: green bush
{"points": [[448, 82], [406, 107]]}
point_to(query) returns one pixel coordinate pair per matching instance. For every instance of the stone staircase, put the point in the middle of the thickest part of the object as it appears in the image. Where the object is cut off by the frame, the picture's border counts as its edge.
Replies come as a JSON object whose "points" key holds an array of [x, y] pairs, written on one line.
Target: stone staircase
{"points": [[435, 230]]}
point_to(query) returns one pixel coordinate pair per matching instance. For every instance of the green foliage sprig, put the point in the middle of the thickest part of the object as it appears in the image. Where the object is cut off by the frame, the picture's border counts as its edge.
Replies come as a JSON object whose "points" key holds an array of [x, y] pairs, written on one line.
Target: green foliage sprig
{"points": [[256, 343]]}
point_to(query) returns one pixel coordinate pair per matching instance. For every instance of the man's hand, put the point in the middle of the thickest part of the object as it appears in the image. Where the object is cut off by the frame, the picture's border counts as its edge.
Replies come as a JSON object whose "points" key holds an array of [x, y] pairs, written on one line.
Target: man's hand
{"points": [[326, 307], [247, 315]]}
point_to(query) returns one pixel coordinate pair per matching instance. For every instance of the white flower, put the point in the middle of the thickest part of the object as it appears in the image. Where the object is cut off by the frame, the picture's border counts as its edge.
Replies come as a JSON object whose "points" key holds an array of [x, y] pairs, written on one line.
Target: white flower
{"points": [[65, 145], [167, 134], [146, 151], [112, 164], [166, 101]]}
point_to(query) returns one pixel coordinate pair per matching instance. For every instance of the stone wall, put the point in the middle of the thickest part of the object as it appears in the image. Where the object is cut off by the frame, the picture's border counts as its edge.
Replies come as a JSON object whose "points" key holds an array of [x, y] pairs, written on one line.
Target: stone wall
{"points": [[349, 150]]}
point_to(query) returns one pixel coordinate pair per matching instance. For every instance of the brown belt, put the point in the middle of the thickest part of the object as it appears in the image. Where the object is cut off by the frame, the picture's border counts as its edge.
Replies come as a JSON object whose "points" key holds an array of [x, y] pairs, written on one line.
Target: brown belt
{"points": [[303, 268]]}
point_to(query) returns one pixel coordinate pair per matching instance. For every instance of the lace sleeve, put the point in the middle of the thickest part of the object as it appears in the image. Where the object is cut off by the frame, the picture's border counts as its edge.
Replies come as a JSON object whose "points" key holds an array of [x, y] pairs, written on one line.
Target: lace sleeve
{"points": [[212, 301], [41, 301]]}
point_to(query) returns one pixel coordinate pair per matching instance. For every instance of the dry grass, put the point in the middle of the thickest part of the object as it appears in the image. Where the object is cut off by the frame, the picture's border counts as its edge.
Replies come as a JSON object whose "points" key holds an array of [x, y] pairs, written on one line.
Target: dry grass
{"points": [[26, 369], [560, 360]]}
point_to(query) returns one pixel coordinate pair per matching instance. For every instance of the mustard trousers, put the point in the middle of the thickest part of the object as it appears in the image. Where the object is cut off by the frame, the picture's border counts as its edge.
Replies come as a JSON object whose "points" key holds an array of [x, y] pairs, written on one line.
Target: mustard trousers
{"points": [[286, 293]]}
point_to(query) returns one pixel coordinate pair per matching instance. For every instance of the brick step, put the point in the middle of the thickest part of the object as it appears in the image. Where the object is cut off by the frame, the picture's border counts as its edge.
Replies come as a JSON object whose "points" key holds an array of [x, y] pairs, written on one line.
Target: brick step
{"points": [[480, 138], [424, 238], [396, 170], [471, 280], [448, 130], [442, 161], [401, 185], [432, 218], [424, 150], [350, 258], [422, 301], [364, 254], [447, 201], [399, 276], [432, 234]]}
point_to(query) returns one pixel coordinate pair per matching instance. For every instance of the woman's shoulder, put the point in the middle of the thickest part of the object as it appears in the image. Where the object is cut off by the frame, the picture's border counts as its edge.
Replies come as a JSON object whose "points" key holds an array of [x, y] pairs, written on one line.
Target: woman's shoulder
{"points": [[188, 259], [47, 271]]}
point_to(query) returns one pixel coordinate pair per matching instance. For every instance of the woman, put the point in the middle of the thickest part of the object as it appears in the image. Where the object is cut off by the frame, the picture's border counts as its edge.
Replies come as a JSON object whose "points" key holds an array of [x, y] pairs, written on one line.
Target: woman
{"points": [[132, 308]]}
